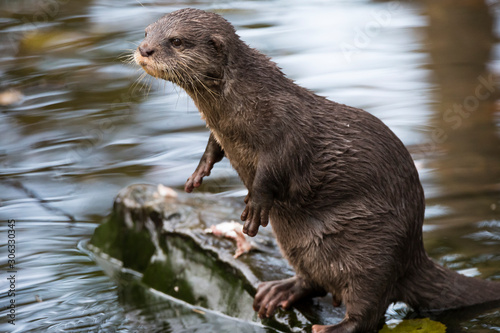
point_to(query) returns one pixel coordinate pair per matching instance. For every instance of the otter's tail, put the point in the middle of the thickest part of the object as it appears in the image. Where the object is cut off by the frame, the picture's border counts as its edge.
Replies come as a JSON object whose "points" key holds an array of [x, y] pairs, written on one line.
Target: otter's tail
{"points": [[433, 287]]}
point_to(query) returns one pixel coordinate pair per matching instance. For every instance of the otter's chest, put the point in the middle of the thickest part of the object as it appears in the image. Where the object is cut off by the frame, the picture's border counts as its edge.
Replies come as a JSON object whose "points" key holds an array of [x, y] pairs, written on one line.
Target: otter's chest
{"points": [[241, 155]]}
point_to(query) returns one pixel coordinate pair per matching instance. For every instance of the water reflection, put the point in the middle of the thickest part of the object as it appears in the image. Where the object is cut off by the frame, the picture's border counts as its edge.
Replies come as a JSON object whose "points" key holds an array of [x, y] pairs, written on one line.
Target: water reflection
{"points": [[460, 41], [465, 140]]}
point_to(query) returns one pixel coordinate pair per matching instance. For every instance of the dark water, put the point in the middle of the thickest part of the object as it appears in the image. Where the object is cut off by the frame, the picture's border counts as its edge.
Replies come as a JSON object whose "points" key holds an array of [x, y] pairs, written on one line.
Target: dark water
{"points": [[82, 130]]}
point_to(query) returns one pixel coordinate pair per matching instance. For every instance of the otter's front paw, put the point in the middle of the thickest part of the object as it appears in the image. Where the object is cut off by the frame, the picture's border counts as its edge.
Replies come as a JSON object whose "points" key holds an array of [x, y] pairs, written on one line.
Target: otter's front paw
{"points": [[256, 214], [197, 177]]}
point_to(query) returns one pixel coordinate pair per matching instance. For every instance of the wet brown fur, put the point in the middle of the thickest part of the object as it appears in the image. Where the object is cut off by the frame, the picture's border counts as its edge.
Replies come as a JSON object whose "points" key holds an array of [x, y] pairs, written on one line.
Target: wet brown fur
{"points": [[341, 190]]}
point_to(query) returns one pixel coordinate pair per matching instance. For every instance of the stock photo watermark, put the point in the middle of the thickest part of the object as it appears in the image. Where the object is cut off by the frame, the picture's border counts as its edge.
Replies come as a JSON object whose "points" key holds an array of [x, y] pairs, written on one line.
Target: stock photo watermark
{"points": [[455, 115], [363, 36], [11, 272], [44, 12]]}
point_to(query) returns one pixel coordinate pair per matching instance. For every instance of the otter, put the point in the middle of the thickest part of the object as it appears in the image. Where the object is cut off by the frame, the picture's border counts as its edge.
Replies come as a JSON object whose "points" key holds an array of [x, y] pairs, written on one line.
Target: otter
{"points": [[340, 190]]}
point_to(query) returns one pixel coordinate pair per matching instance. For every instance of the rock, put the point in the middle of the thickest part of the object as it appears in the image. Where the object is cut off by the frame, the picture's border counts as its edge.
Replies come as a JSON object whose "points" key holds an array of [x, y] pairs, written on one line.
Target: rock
{"points": [[162, 234]]}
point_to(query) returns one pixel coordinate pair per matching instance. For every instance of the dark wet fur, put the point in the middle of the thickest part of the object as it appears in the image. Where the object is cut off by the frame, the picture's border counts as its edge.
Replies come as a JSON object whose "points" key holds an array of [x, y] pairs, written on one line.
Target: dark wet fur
{"points": [[341, 190]]}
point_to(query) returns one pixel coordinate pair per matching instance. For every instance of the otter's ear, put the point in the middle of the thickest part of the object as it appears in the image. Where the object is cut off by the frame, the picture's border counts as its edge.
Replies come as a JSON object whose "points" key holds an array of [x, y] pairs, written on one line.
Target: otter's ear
{"points": [[217, 43]]}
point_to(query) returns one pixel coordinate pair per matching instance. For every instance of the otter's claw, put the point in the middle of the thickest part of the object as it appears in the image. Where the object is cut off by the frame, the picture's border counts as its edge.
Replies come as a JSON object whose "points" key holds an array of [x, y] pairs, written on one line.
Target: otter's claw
{"points": [[255, 215], [197, 177], [274, 294]]}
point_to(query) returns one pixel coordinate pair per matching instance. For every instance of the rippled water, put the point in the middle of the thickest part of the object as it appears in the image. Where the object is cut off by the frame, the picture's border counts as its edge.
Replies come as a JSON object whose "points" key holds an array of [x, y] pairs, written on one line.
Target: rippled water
{"points": [[82, 130]]}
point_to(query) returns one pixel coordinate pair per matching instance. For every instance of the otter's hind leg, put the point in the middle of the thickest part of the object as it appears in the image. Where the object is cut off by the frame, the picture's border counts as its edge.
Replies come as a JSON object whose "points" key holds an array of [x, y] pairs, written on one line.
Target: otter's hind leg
{"points": [[366, 304], [283, 293]]}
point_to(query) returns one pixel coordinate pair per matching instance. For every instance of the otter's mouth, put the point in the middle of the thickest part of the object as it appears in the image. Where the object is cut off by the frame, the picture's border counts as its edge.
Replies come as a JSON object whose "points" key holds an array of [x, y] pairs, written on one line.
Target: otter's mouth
{"points": [[147, 64], [140, 60]]}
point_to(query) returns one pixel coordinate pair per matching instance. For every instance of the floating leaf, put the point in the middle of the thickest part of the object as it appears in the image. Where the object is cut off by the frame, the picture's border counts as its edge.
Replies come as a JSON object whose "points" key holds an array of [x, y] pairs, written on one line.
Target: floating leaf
{"points": [[10, 97], [424, 325]]}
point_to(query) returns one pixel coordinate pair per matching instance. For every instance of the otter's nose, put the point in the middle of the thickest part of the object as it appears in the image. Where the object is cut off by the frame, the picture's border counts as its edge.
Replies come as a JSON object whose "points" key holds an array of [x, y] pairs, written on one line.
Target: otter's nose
{"points": [[146, 50]]}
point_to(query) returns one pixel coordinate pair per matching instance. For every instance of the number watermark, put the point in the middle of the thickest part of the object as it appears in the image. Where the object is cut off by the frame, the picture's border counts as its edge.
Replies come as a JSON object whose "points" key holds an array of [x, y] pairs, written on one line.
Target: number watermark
{"points": [[11, 271]]}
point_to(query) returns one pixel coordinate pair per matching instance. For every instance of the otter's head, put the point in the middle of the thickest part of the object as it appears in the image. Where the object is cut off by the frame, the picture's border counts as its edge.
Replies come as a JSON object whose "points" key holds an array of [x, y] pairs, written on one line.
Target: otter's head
{"points": [[188, 48]]}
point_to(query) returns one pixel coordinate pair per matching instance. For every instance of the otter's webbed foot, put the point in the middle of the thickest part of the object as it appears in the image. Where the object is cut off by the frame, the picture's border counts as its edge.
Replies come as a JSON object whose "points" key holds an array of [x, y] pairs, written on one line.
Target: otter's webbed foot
{"points": [[256, 214], [213, 154], [273, 294]]}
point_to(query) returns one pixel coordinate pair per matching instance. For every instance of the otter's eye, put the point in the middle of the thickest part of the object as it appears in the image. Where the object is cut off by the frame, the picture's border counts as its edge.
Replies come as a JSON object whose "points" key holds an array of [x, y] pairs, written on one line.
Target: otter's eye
{"points": [[176, 42], [145, 34]]}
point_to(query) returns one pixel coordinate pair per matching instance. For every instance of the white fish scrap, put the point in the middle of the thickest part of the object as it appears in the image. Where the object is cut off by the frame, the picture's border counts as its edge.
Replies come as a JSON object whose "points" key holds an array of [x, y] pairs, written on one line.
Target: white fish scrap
{"points": [[232, 230], [166, 192]]}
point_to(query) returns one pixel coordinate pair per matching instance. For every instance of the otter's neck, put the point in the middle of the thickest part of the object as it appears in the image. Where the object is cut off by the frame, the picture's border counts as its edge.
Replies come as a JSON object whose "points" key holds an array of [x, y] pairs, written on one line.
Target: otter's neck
{"points": [[247, 79]]}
